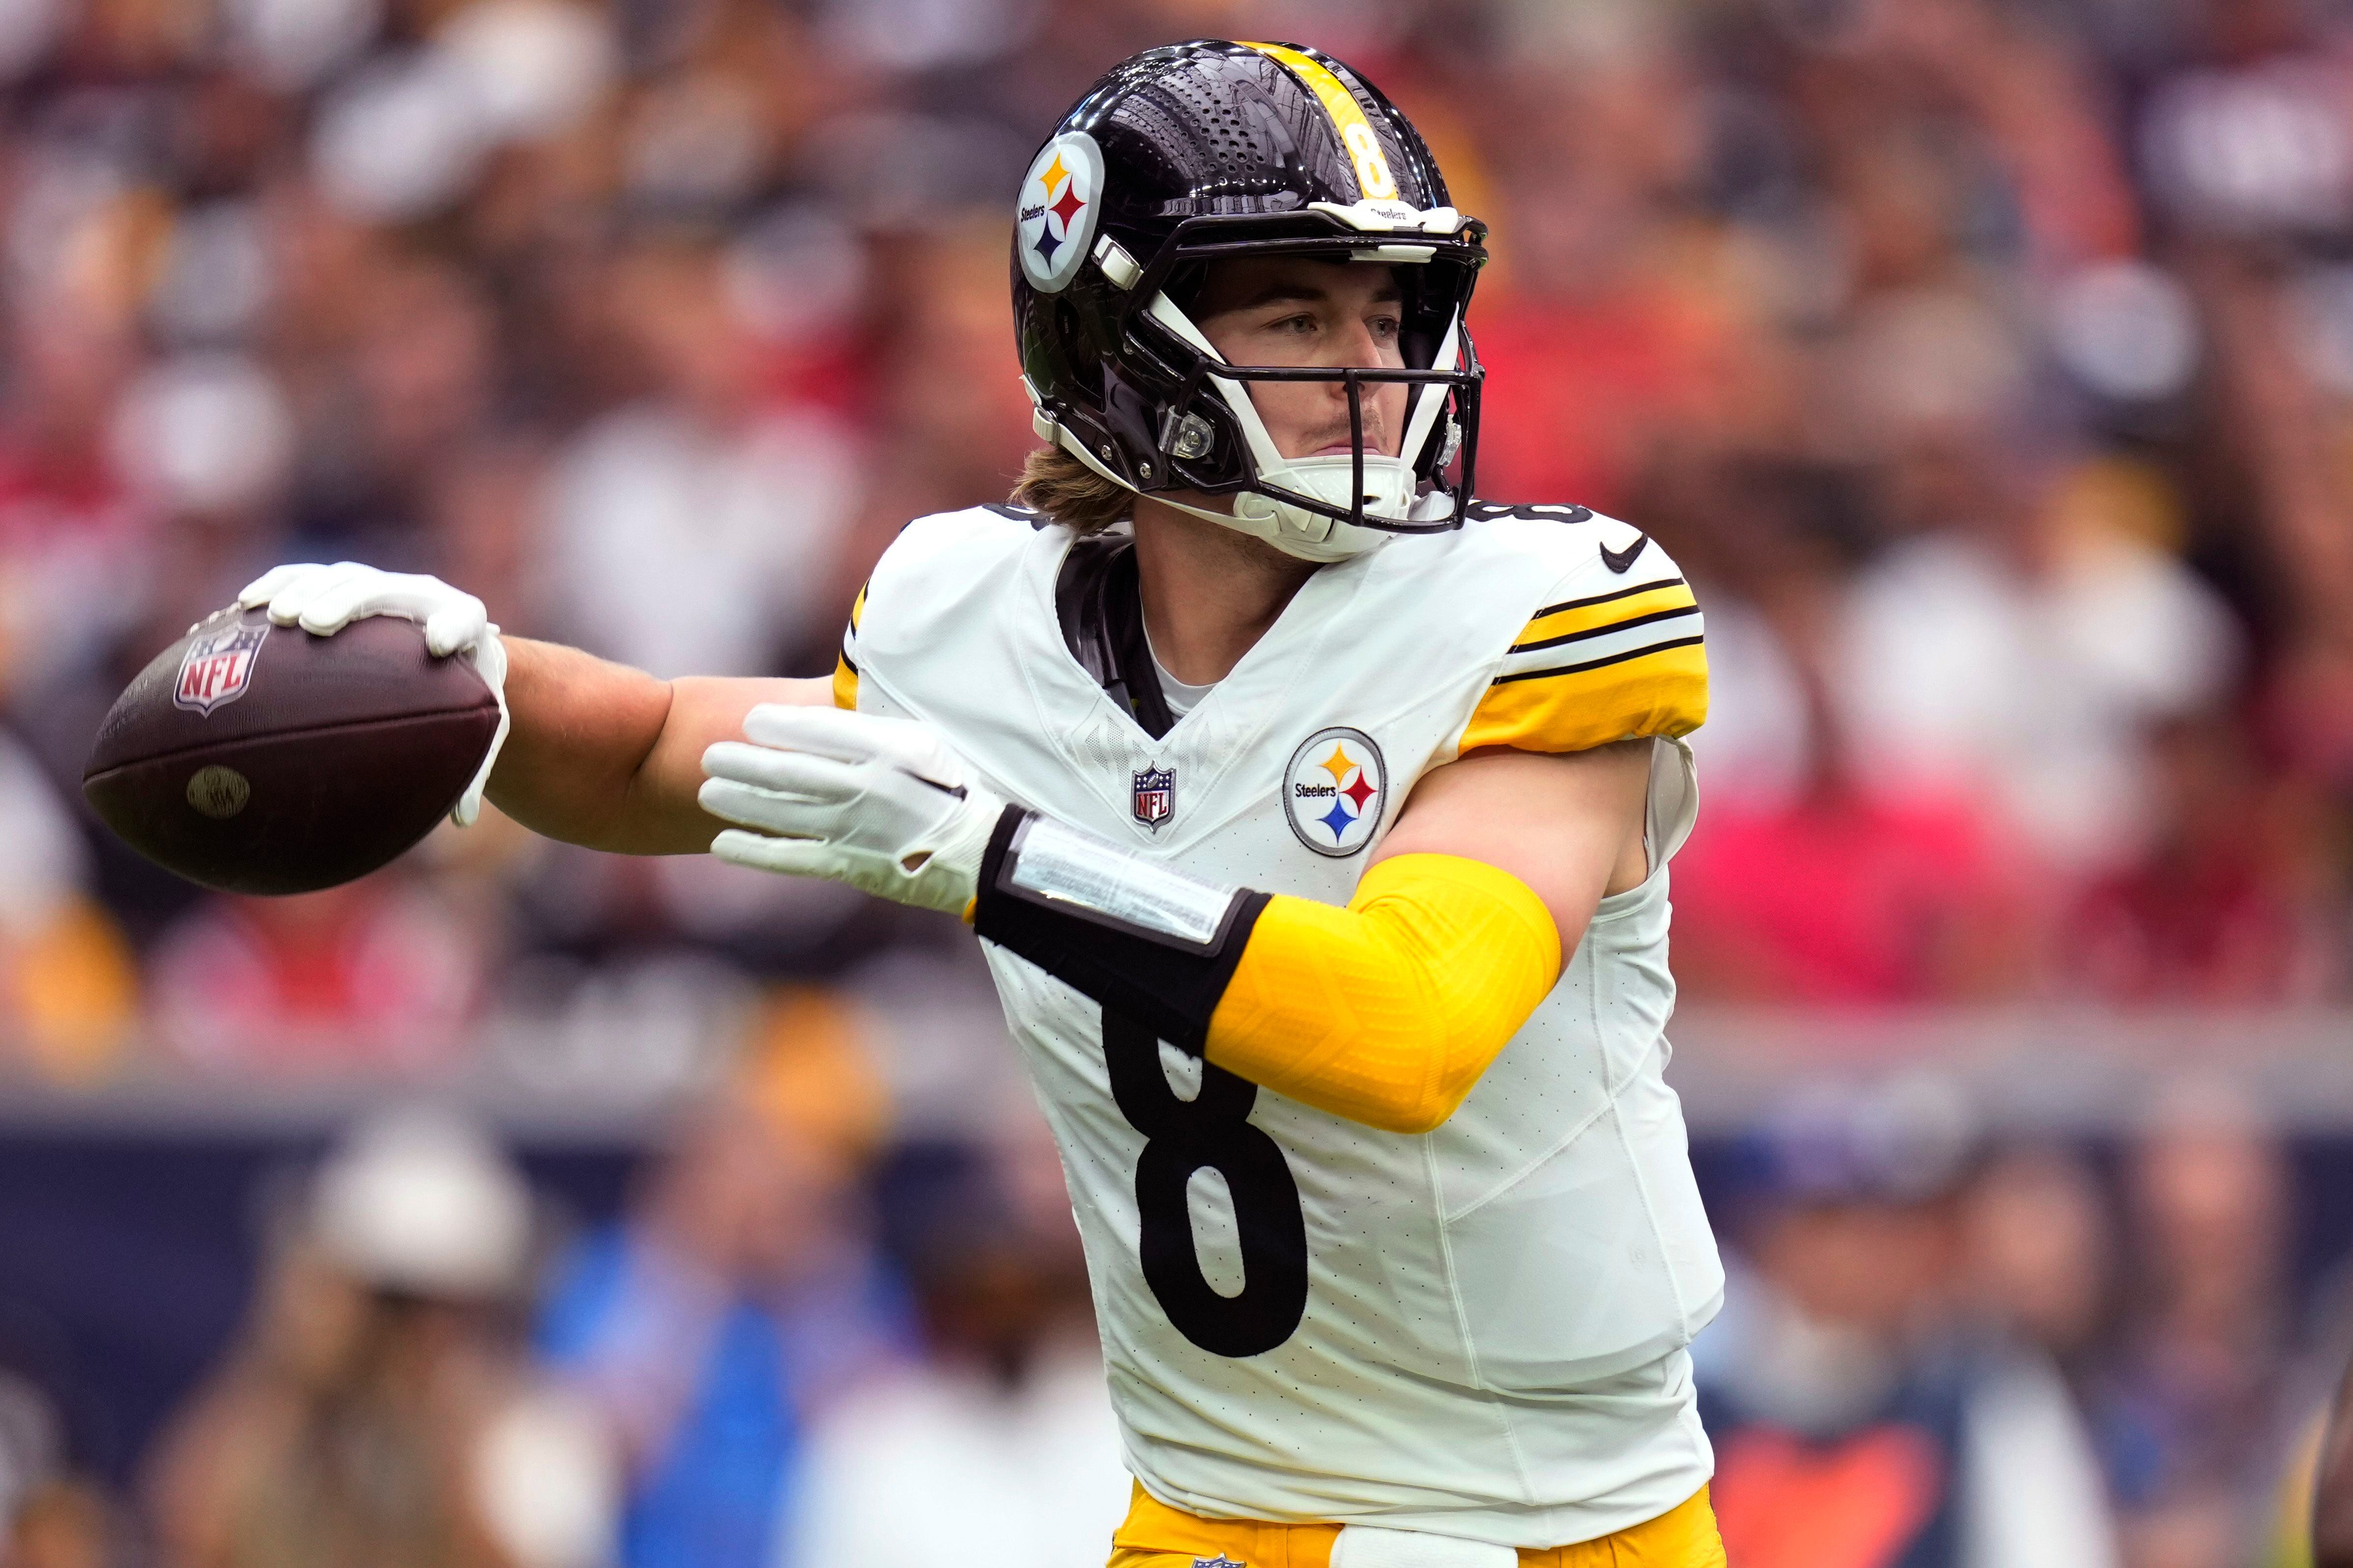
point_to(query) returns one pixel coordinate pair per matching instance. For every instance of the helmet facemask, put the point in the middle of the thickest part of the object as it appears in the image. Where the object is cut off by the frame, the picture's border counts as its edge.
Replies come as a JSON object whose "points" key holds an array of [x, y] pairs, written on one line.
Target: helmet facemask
{"points": [[1192, 153], [1209, 435]]}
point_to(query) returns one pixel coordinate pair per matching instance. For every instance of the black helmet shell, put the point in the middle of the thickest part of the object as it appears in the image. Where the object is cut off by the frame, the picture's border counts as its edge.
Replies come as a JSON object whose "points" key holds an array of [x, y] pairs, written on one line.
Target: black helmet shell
{"points": [[1186, 153]]}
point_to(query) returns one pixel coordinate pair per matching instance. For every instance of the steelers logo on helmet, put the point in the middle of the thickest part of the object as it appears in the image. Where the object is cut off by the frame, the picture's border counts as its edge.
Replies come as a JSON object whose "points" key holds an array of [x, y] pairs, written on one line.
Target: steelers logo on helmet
{"points": [[1057, 217], [1335, 791]]}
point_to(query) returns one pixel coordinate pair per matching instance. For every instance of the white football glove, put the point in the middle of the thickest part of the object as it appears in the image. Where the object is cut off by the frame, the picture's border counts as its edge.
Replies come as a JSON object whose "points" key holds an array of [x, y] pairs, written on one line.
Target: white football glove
{"points": [[881, 804], [323, 600]]}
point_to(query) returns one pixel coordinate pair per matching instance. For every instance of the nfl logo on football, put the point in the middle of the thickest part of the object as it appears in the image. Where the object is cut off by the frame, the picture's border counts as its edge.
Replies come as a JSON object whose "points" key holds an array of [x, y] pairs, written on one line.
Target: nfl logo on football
{"points": [[1156, 797], [218, 667]]}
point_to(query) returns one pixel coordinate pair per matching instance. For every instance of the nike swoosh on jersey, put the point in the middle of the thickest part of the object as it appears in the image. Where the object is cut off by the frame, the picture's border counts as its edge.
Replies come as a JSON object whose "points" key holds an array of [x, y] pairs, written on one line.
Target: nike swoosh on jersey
{"points": [[1622, 564]]}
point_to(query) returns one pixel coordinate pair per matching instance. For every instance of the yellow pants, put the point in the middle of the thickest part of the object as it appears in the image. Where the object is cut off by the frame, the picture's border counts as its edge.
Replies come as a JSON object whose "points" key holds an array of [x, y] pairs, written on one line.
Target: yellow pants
{"points": [[1157, 1536]]}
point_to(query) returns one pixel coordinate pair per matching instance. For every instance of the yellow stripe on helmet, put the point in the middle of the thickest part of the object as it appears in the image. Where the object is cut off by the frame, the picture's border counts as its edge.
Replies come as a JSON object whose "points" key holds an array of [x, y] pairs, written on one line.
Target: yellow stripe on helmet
{"points": [[1356, 133]]}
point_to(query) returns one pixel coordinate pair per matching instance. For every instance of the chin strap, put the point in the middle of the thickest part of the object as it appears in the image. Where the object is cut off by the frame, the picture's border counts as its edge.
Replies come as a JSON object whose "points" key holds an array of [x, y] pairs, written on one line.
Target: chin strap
{"points": [[1310, 538]]}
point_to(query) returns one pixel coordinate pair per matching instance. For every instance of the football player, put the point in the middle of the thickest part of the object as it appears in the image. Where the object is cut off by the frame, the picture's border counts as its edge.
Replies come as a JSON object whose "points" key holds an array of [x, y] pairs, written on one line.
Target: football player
{"points": [[1315, 819]]}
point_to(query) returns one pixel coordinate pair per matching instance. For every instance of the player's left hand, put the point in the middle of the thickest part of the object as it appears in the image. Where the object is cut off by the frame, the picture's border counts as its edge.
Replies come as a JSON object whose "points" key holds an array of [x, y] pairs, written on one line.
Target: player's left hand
{"points": [[881, 804]]}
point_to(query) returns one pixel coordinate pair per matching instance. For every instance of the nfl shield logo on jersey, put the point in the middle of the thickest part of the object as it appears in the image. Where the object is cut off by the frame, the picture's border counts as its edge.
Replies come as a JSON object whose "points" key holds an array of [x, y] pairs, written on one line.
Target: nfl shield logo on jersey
{"points": [[1220, 1560], [219, 667], [1156, 797]]}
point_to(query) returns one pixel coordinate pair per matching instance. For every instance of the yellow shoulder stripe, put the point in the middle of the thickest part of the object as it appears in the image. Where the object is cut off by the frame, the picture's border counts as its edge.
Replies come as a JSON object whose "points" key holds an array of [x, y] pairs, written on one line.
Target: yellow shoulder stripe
{"points": [[1628, 606], [1356, 133], [1660, 692]]}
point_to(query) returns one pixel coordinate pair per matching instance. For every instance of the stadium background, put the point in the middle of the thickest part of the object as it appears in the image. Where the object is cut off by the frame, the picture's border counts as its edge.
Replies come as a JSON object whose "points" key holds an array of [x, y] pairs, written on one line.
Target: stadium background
{"points": [[1989, 364]]}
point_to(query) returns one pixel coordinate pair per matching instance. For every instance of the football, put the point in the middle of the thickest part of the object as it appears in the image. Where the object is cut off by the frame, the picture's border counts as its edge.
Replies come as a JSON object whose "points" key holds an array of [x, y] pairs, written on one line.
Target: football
{"points": [[259, 758]]}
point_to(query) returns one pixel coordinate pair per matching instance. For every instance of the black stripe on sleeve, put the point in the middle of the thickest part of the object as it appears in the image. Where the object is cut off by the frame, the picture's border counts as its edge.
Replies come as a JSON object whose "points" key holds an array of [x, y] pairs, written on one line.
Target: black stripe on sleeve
{"points": [[1597, 663], [1605, 599], [1605, 631]]}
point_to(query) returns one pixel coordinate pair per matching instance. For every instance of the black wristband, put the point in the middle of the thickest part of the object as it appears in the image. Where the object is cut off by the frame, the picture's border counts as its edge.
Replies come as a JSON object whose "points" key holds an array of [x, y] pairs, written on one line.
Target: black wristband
{"points": [[1168, 976]]}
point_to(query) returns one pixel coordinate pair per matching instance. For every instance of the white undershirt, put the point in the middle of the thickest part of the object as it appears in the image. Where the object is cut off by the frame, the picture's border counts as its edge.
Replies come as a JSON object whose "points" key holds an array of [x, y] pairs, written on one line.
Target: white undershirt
{"points": [[1181, 698]]}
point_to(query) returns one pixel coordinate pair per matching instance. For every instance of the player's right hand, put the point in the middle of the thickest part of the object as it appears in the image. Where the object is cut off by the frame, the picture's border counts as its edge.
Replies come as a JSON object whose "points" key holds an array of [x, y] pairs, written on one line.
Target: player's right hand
{"points": [[884, 805], [323, 600]]}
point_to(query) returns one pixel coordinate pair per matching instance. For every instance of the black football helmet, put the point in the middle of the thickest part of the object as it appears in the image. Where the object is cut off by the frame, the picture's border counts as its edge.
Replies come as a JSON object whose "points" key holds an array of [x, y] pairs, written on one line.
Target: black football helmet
{"points": [[1193, 152]]}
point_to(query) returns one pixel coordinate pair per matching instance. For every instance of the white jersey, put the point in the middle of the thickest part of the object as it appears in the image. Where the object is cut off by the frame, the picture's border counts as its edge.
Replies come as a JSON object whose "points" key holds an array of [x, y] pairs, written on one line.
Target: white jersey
{"points": [[1478, 1331]]}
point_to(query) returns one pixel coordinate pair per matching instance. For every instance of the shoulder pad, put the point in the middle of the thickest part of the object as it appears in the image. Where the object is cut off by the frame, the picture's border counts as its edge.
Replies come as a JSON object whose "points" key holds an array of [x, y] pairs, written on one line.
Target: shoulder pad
{"points": [[1530, 511], [946, 529]]}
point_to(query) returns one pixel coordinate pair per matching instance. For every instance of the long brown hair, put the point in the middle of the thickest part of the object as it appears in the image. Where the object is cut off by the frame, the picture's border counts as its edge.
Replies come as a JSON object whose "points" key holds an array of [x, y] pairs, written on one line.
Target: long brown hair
{"points": [[1064, 489]]}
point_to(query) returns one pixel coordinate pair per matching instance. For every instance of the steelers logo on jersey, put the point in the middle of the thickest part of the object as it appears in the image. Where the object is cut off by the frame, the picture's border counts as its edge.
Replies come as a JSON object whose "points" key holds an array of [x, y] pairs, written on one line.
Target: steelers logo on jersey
{"points": [[1060, 200], [1335, 791]]}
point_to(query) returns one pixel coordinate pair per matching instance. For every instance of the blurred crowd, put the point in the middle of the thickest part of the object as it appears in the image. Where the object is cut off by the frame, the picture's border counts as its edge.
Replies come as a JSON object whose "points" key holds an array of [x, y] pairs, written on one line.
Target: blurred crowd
{"points": [[790, 1346], [1986, 363], [801, 1343]]}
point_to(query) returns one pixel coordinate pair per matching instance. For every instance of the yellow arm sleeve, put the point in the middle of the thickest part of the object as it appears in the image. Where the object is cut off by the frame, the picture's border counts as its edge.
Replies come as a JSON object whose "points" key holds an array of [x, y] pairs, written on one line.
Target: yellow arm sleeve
{"points": [[1386, 1012]]}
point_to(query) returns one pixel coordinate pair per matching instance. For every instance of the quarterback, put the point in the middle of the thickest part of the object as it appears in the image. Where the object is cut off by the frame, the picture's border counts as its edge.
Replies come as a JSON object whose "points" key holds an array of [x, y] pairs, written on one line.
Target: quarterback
{"points": [[1314, 818]]}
